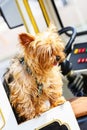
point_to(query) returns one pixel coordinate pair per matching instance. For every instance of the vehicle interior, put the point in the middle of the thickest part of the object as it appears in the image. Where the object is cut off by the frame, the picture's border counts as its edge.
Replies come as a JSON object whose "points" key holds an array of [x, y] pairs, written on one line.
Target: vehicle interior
{"points": [[33, 16]]}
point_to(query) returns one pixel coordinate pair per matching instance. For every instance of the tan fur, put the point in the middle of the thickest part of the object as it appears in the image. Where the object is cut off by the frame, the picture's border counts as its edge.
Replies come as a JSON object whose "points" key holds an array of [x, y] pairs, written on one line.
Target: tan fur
{"points": [[40, 56]]}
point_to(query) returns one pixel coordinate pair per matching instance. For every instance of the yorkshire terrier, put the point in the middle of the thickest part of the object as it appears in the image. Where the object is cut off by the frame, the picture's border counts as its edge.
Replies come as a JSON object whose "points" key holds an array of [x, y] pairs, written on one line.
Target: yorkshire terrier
{"points": [[34, 81]]}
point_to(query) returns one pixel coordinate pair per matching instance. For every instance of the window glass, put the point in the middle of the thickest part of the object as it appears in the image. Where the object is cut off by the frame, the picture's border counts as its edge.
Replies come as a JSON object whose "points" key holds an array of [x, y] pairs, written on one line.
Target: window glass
{"points": [[73, 13]]}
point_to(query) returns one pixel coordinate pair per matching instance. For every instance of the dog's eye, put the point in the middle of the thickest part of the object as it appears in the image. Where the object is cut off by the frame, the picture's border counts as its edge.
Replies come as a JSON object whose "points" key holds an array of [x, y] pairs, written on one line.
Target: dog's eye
{"points": [[57, 58]]}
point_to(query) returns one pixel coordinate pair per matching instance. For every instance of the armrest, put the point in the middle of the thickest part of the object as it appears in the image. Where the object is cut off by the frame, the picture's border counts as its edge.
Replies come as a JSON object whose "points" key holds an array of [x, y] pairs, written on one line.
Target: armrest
{"points": [[79, 106]]}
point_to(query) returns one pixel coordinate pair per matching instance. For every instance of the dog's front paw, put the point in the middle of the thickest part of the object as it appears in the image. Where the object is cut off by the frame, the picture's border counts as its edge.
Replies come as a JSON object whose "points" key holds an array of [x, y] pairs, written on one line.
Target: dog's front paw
{"points": [[62, 100], [59, 101]]}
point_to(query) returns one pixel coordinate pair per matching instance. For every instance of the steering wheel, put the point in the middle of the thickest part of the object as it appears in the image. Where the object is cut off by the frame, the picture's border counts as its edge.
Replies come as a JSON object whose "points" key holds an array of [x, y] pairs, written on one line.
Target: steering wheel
{"points": [[68, 47], [66, 66]]}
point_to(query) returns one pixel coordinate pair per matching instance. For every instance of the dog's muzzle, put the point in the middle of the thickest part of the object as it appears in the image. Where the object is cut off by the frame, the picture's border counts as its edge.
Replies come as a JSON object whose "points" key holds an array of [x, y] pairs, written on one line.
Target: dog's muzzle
{"points": [[57, 60]]}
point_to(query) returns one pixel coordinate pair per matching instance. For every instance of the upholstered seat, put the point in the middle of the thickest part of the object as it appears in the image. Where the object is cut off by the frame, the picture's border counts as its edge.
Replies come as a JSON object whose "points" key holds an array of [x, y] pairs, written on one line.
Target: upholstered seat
{"points": [[79, 106]]}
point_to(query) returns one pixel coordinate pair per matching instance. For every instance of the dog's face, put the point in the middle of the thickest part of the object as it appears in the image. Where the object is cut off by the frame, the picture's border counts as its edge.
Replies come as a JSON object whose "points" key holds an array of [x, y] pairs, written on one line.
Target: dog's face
{"points": [[44, 50]]}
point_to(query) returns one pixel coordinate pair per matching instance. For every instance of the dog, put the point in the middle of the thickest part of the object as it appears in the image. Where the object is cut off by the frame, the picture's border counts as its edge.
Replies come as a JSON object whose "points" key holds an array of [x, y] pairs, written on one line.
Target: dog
{"points": [[34, 80]]}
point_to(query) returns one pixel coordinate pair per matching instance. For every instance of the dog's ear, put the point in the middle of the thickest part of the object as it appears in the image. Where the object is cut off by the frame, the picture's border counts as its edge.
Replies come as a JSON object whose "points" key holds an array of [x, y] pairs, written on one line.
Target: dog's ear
{"points": [[25, 39]]}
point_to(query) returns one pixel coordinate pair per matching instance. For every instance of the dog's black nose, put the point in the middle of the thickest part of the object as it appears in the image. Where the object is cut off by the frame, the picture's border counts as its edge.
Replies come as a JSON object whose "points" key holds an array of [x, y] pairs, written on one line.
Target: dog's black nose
{"points": [[57, 58]]}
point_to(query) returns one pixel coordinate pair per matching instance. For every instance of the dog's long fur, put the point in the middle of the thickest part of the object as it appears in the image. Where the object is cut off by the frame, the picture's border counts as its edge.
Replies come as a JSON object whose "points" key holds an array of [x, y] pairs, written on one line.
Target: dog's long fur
{"points": [[34, 78]]}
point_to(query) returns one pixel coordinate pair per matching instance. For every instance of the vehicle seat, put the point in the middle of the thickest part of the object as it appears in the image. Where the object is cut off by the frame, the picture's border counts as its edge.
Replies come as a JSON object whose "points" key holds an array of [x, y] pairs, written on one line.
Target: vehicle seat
{"points": [[79, 106]]}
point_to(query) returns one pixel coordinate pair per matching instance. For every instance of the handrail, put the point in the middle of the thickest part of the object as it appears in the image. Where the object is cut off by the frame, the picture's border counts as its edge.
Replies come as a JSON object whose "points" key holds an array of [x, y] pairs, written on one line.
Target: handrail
{"points": [[41, 3], [3, 119], [32, 19], [21, 13]]}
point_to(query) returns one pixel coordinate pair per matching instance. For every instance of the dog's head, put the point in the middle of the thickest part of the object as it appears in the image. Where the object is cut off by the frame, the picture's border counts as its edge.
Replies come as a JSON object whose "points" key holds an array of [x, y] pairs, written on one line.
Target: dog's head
{"points": [[44, 50]]}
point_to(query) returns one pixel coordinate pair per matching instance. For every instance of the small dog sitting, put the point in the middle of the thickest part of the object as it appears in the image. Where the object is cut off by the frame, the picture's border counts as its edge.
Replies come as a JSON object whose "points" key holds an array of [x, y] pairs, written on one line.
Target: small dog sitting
{"points": [[33, 81]]}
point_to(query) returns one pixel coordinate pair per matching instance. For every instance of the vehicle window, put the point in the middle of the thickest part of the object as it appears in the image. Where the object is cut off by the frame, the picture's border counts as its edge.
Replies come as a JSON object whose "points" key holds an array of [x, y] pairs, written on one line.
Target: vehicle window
{"points": [[10, 13], [73, 13]]}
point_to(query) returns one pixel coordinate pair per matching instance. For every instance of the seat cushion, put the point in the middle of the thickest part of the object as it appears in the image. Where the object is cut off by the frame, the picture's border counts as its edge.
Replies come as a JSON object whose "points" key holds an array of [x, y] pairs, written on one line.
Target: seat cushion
{"points": [[79, 106]]}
